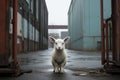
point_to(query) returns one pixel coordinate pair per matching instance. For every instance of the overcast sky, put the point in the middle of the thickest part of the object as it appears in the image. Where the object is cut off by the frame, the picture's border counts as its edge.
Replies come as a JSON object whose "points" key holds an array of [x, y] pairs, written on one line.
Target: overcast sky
{"points": [[58, 11]]}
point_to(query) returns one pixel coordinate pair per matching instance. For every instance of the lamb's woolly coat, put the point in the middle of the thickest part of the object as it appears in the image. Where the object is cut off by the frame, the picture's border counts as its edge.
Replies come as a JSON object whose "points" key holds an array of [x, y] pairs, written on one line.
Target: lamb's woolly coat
{"points": [[59, 54]]}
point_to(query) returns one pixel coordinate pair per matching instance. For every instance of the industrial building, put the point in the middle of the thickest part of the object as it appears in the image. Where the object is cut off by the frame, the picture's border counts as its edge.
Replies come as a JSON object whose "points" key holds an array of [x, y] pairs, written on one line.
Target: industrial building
{"points": [[84, 23], [24, 28], [96, 21], [32, 25], [57, 31]]}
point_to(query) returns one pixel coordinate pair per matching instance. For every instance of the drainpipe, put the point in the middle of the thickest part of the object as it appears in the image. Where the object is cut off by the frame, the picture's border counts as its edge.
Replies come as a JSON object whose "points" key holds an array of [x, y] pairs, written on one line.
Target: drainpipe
{"points": [[102, 33], [14, 55]]}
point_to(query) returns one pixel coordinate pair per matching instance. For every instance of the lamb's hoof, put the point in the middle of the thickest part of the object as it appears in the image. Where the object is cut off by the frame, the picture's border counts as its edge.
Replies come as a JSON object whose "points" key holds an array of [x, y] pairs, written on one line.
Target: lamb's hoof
{"points": [[62, 72], [56, 71]]}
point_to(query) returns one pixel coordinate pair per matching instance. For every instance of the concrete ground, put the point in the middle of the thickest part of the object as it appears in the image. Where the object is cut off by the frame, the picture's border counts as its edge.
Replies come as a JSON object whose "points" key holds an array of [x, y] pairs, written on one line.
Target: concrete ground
{"points": [[80, 65]]}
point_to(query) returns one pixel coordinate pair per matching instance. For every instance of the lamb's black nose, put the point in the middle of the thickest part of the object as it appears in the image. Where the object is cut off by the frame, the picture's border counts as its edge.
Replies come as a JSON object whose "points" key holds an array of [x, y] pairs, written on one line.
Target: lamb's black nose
{"points": [[59, 48]]}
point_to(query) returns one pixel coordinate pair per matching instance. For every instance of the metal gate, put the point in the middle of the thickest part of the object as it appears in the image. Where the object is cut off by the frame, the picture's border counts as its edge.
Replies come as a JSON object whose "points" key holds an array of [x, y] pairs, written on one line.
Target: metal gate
{"points": [[112, 25]]}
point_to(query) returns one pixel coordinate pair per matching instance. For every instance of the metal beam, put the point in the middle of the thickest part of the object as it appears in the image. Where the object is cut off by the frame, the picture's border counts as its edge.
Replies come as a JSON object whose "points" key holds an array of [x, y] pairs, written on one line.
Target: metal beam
{"points": [[15, 9], [102, 33], [57, 27]]}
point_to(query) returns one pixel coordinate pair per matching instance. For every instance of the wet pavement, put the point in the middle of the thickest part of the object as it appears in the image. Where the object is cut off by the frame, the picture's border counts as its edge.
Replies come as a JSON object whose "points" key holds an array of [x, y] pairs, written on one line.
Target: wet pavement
{"points": [[80, 65]]}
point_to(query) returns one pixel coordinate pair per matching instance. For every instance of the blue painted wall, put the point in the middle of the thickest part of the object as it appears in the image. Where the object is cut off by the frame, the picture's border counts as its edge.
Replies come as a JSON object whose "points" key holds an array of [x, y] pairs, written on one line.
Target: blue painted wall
{"points": [[84, 23], [25, 28]]}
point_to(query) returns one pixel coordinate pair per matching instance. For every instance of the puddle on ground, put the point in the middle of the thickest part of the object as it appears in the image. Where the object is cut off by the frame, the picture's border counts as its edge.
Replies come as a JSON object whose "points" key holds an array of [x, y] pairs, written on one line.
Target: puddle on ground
{"points": [[88, 58], [89, 72], [95, 74], [28, 61], [51, 70]]}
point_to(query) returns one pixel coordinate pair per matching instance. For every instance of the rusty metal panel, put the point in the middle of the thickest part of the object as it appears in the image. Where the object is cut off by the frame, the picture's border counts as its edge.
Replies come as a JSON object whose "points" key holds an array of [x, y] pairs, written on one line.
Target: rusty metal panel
{"points": [[116, 31], [4, 32], [102, 33], [115, 34], [115, 18], [119, 29]]}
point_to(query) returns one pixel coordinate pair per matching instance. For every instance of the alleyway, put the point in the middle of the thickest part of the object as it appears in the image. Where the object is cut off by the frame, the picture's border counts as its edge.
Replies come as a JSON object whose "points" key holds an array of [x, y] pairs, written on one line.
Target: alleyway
{"points": [[80, 66]]}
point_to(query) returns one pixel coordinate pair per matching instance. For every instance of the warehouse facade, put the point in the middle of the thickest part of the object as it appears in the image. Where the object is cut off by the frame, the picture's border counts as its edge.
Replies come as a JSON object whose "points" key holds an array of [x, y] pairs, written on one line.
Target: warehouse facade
{"points": [[32, 28], [32, 25], [84, 23]]}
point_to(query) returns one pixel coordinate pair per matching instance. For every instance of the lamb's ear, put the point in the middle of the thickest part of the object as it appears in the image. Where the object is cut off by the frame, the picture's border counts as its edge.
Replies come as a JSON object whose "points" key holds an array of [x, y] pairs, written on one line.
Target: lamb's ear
{"points": [[66, 39], [52, 39]]}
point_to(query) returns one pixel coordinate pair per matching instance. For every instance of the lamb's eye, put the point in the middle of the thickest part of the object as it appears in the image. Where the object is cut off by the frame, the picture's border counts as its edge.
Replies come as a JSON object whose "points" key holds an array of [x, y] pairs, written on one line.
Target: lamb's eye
{"points": [[62, 43]]}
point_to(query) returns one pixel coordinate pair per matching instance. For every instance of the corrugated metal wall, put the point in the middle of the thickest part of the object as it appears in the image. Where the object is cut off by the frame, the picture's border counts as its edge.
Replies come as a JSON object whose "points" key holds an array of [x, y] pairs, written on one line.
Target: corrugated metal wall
{"points": [[44, 25], [91, 25], [4, 32], [84, 23], [75, 16]]}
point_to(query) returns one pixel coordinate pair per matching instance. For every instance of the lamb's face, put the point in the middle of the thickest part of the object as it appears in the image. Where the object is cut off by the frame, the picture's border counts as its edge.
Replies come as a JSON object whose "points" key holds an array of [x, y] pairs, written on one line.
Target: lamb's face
{"points": [[59, 44]]}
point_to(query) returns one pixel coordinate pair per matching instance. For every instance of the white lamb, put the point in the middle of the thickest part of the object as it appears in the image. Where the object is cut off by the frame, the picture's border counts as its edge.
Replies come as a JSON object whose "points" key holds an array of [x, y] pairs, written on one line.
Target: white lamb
{"points": [[59, 54]]}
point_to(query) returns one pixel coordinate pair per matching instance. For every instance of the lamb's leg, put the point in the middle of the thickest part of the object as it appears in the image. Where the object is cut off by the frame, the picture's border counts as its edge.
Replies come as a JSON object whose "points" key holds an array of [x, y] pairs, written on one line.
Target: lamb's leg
{"points": [[55, 66], [62, 67]]}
